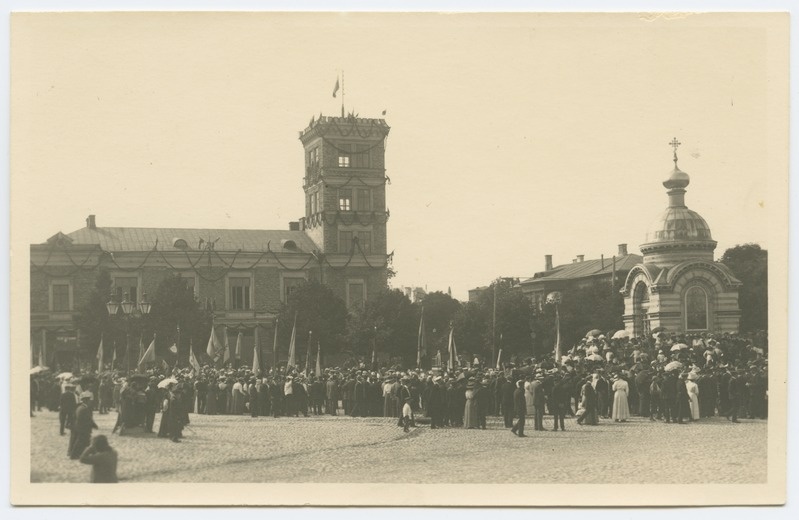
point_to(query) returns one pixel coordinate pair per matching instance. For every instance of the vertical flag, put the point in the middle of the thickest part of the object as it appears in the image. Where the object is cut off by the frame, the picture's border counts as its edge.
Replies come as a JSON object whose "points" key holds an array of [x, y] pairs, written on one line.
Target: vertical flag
{"points": [[318, 360], [149, 354], [100, 355], [451, 350], [226, 356], [499, 359], [256, 361], [557, 334], [438, 359], [308, 354], [141, 346], [292, 345], [421, 343], [114, 356], [238, 345], [193, 363], [214, 349], [335, 89]]}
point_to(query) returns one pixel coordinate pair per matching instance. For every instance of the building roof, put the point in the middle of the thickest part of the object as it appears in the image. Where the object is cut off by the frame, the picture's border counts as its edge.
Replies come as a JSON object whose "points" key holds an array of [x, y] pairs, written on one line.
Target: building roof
{"points": [[586, 268], [144, 239]]}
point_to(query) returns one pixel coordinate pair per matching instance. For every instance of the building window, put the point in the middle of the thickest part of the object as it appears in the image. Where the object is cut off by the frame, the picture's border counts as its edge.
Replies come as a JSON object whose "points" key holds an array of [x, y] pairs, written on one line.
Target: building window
{"points": [[360, 157], [239, 294], [60, 297], [290, 285], [343, 160], [344, 241], [126, 286], [696, 309], [365, 241], [314, 199], [364, 202], [356, 293], [640, 309], [313, 156], [345, 200]]}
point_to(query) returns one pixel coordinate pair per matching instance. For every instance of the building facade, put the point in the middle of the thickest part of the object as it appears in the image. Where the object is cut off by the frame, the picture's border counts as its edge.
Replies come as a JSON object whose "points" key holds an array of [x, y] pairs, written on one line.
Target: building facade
{"points": [[678, 285], [244, 275]]}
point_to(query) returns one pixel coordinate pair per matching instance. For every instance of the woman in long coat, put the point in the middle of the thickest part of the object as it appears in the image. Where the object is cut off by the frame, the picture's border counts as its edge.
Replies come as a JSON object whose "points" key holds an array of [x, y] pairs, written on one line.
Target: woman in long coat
{"points": [[621, 406], [237, 405], [588, 402], [470, 408], [693, 395], [528, 397], [211, 397]]}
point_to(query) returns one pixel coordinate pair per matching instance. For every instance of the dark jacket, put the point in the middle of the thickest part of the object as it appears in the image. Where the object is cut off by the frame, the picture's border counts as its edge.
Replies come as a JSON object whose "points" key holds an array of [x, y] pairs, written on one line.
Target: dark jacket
{"points": [[519, 402], [104, 464]]}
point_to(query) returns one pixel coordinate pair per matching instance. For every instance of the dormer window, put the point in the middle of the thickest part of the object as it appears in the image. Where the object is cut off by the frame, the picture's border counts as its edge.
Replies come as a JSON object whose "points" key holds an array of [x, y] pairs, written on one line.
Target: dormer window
{"points": [[179, 243]]}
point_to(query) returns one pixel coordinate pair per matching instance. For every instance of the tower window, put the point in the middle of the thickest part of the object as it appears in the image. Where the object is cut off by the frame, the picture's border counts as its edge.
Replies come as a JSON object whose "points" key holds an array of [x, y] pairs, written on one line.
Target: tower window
{"points": [[345, 200], [361, 156], [344, 241], [696, 309], [364, 200], [365, 241], [343, 160]]}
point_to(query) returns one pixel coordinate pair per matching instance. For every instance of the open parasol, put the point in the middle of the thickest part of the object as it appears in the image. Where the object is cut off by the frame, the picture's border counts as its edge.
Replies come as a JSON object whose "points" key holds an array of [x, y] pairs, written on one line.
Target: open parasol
{"points": [[593, 333], [38, 369], [680, 346], [658, 329], [166, 382], [621, 334], [65, 375], [592, 350], [675, 347], [594, 357], [674, 365]]}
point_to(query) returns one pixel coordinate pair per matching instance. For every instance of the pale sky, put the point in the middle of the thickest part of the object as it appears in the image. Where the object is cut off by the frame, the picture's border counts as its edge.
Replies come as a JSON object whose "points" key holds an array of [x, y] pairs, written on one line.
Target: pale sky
{"points": [[513, 136]]}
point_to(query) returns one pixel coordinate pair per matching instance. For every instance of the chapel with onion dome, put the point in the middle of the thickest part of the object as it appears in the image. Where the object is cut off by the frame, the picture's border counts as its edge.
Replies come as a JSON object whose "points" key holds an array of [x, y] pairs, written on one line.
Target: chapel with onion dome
{"points": [[678, 284]]}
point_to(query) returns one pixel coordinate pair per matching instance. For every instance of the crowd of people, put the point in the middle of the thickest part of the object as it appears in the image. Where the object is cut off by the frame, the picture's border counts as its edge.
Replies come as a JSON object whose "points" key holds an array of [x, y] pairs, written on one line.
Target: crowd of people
{"points": [[672, 378]]}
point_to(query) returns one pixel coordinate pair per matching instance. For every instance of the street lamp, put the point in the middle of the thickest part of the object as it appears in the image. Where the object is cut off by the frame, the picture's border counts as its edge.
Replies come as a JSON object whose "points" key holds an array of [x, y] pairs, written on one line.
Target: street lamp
{"points": [[129, 311]]}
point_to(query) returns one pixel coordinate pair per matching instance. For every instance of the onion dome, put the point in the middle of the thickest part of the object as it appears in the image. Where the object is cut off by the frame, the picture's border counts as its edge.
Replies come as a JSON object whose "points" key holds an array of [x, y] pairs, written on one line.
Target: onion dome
{"points": [[678, 231]]}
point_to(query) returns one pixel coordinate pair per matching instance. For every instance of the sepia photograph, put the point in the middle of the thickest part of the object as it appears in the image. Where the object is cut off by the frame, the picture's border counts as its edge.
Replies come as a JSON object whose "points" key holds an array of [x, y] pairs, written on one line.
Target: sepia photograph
{"points": [[411, 259]]}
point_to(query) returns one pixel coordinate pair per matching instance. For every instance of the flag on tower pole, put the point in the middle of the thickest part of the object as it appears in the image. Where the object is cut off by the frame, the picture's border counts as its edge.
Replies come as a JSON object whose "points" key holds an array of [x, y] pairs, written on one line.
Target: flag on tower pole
{"points": [[100, 355], [335, 89], [292, 346], [318, 360], [149, 354]]}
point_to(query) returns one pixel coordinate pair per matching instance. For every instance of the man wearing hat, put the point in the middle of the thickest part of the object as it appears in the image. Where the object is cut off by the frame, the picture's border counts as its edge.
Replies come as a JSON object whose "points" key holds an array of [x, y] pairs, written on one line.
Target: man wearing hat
{"points": [[331, 396], [520, 409], [150, 404], [81, 435], [67, 403], [539, 401], [436, 403]]}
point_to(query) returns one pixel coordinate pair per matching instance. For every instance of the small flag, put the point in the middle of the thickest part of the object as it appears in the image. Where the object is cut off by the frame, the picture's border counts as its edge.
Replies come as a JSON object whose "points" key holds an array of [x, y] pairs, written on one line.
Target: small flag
{"points": [[174, 348], [335, 89], [421, 342], [195, 365], [238, 345], [318, 360], [214, 349], [226, 357], [114, 356], [256, 361], [149, 354], [274, 347], [308, 355], [384, 112], [293, 345], [100, 355], [453, 351], [499, 357]]}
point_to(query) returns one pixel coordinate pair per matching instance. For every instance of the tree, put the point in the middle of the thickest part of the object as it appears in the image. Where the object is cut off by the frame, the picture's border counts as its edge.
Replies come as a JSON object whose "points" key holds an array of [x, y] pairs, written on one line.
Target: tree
{"points": [[319, 310], [514, 312], [749, 263], [173, 305], [390, 322], [440, 310], [94, 322]]}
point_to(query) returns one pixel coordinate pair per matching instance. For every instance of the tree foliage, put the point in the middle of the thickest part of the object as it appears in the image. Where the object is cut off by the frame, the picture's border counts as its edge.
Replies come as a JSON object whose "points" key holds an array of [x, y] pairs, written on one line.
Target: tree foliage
{"points": [[388, 322], [174, 304], [749, 263]]}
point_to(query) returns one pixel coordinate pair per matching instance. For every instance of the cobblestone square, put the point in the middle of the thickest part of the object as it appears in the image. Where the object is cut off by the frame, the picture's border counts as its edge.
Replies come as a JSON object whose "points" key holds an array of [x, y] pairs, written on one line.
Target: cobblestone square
{"points": [[228, 448]]}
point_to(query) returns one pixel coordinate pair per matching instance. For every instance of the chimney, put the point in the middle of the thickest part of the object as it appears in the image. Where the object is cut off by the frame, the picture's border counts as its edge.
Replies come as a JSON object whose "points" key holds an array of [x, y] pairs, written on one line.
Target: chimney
{"points": [[547, 262], [580, 258], [90, 222], [294, 226], [622, 249]]}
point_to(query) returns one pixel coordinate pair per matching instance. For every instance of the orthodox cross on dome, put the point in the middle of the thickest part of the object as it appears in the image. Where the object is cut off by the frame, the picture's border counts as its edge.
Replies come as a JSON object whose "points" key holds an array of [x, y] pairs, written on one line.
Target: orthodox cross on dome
{"points": [[674, 144]]}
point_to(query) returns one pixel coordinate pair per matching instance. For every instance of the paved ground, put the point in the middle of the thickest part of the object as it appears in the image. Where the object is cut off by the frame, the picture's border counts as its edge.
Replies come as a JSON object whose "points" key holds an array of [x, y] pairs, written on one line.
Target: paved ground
{"points": [[343, 449]]}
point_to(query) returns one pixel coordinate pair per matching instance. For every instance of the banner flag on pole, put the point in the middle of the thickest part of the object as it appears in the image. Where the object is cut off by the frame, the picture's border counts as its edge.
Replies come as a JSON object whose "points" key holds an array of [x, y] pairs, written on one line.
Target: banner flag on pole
{"points": [[149, 354], [557, 335], [335, 89], [499, 359], [256, 362], [451, 350], [318, 360], [114, 356], [174, 348], [100, 355], [274, 348], [421, 347], [438, 359], [308, 355], [226, 356], [215, 348], [195, 365], [292, 345], [238, 345], [141, 346]]}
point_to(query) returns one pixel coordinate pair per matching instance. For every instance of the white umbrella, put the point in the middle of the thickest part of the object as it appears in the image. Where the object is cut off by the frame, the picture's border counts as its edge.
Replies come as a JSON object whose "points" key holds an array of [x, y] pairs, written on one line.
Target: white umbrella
{"points": [[65, 375], [675, 348], [594, 357], [593, 350], [680, 346], [621, 334], [674, 365], [166, 382], [37, 369]]}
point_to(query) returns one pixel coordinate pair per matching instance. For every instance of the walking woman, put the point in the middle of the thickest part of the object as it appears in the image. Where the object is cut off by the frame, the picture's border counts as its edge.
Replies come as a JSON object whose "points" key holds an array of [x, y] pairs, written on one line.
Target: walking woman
{"points": [[621, 406]]}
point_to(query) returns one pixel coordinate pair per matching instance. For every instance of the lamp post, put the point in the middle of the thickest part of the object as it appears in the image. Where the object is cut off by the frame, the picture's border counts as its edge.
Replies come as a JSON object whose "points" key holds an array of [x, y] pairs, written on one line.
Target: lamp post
{"points": [[130, 310]]}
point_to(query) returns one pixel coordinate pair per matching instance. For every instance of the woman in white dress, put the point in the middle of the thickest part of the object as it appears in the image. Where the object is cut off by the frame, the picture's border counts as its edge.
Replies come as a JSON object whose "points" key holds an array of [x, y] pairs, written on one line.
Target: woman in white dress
{"points": [[528, 397], [693, 395], [621, 407]]}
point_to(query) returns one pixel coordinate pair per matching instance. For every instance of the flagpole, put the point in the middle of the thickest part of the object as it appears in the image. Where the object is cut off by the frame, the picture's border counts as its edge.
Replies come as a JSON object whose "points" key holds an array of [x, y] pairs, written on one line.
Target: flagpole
{"points": [[342, 93], [177, 358], [274, 347]]}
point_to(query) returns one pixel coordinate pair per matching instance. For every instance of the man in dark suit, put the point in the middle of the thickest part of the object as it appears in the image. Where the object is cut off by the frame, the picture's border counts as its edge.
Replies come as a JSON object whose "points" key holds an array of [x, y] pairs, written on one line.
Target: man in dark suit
{"points": [[359, 398], [724, 392], [559, 400], [66, 407], [317, 396], [402, 394], [508, 393], [668, 396], [537, 388], [151, 401], [482, 397], [602, 388], [332, 395], [735, 389], [519, 408], [81, 435], [643, 380], [681, 404]]}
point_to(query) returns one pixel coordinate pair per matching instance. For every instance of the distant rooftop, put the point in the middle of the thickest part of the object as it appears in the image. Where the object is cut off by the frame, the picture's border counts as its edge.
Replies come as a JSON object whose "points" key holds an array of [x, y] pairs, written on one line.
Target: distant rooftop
{"points": [[586, 268]]}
